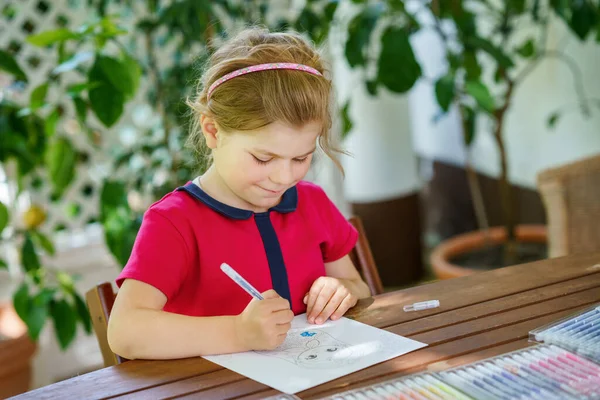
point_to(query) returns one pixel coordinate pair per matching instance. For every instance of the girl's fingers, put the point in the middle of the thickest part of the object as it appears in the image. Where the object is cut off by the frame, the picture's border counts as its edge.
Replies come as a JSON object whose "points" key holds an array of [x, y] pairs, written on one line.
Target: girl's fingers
{"points": [[321, 301], [313, 294], [336, 300], [345, 305]]}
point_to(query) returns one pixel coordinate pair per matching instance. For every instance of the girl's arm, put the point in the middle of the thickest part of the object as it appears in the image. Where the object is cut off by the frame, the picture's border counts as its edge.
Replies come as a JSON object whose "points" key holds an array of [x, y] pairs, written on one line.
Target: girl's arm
{"points": [[138, 328]]}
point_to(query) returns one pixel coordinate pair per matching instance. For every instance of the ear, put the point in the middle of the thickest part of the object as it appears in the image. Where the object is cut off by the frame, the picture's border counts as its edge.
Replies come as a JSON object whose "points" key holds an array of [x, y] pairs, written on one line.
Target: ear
{"points": [[209, 130]]}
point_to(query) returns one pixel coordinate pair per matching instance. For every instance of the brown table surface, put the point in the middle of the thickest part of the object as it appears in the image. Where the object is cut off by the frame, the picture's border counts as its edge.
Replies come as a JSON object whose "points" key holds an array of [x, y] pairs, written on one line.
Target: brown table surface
{"points": [[480, 316]]}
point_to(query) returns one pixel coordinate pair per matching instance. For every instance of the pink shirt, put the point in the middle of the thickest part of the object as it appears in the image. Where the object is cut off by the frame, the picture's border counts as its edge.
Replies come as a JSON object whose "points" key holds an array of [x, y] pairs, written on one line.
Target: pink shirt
{"points": [[187, 234]]}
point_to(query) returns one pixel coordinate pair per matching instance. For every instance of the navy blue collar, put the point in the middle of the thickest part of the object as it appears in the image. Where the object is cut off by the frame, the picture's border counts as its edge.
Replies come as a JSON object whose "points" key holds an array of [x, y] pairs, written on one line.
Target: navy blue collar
{"points": [[288, 203]]}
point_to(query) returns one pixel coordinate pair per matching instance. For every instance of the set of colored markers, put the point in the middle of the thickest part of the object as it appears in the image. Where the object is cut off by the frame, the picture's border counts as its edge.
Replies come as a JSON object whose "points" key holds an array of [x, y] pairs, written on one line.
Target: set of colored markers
{"points": [[580, 333], [540, 372], [413, 387]]}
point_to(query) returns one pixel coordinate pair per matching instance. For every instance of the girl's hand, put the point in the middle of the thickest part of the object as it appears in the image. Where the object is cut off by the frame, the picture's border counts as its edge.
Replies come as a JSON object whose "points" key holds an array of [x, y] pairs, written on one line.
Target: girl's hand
{"points": [[263, 325], [329, 297]]}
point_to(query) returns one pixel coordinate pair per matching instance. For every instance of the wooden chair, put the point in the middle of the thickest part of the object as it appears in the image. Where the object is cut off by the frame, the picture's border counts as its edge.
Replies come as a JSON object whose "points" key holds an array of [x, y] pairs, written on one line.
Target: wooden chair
{"points": [[571, 196], [100, 300], [362, 257], [101, 297]]}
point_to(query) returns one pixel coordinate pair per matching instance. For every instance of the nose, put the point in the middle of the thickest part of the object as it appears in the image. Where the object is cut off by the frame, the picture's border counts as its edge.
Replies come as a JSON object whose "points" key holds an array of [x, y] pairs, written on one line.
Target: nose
{"points": [[283, 174]]}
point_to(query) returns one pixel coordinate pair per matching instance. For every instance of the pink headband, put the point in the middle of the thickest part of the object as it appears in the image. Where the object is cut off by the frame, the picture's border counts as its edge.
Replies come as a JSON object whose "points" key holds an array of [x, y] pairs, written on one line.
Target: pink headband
{"points": [[261, 67]]}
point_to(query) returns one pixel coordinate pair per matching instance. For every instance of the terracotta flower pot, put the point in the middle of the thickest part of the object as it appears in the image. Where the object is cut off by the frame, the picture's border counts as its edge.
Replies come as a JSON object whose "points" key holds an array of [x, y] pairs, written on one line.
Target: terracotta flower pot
{"points": [[464, 243], [16, 353]]}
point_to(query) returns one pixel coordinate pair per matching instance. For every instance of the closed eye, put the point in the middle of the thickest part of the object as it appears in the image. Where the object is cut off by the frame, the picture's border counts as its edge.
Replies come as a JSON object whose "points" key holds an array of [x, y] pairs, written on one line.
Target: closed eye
{"points": [[301, 160], [261, 161]]}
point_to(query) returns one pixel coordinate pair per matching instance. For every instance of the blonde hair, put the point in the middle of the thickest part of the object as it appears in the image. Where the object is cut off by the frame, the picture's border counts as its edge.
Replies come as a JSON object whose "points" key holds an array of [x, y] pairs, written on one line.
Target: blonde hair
{"points": [[257, 99]]}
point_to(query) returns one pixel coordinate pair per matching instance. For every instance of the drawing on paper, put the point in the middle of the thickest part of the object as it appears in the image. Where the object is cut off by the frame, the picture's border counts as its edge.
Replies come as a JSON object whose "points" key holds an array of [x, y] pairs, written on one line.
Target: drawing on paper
{"points": [[316, 349]]}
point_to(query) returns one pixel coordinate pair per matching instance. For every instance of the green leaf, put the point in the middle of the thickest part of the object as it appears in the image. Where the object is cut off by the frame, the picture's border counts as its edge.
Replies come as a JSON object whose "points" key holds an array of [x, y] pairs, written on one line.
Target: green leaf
{"points": [[21, 302], [310, 22], [517, 6], [347, 122], [481, 94], [83, 313], [65, 322], [553, 119], [44, 242], [76, 89], [38, 96], [118, 73], [73, 62], [3, 264], [472, 66], [444, 91], [29, 257], [119, 223], [329, 10], [584, 18], [112, 197], [38, 312], [527, 49], [107, 103], [4, 217], [10, 65], [80, 108], [61, 159], [50, 37], [134, 70], [496, 52], [50, 122], [398, 68], [359, 34]]}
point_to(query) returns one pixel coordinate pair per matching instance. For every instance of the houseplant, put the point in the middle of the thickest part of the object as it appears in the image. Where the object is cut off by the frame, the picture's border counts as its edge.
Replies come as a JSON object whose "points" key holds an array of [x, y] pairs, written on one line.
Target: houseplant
{"points": [[29, 143], [481, 50]]}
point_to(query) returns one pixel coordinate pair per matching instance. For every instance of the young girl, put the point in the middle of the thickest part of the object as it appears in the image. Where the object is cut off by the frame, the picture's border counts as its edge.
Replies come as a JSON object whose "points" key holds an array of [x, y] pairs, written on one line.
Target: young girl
{"points": [[261, 107]]}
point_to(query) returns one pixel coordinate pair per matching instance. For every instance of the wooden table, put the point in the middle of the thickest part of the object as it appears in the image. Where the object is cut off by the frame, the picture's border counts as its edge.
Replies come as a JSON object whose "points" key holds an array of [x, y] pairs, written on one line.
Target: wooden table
{"points": [[480, 316]]}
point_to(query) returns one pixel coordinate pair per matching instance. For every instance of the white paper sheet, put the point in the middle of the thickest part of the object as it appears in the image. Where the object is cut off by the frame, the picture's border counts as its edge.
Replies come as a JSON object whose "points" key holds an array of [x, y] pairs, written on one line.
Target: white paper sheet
{"points": [[315, 354]]}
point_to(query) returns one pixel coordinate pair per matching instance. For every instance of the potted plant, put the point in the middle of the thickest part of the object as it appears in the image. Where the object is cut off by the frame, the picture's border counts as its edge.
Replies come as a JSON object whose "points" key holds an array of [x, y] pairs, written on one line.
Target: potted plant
{"points": [[479, 39], [28, 144]]}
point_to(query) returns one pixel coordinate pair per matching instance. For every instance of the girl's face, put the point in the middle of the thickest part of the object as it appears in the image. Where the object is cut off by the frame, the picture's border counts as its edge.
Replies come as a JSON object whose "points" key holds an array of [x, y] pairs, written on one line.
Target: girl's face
{"points": [[257, 167]]}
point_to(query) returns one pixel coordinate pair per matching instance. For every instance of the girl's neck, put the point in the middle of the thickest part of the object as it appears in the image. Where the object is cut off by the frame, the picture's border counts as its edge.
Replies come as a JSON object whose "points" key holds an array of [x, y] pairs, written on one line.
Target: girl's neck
{"points": [[213, 185]]}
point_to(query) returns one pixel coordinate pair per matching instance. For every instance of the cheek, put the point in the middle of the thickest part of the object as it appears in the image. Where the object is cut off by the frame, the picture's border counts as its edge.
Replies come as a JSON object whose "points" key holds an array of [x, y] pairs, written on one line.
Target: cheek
{"points": [[301, 170]]}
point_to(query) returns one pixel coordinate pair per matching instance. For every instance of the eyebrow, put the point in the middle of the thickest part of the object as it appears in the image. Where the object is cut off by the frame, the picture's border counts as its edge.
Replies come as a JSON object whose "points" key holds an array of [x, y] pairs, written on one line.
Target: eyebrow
{"points": [[268, 153]]}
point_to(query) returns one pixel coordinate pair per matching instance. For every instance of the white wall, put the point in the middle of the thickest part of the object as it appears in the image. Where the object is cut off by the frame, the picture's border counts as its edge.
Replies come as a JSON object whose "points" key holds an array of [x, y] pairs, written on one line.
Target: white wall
{"points": [[531, 145]]}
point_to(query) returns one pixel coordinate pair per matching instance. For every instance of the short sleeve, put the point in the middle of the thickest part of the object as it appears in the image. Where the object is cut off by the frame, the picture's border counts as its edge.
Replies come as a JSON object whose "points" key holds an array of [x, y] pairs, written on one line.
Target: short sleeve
{"points": [[159, 257], [341, 236]]}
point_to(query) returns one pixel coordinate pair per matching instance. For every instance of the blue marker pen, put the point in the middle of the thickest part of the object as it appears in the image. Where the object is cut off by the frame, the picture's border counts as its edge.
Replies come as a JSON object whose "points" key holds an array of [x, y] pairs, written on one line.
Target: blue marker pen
{"points": [[237, 278]]}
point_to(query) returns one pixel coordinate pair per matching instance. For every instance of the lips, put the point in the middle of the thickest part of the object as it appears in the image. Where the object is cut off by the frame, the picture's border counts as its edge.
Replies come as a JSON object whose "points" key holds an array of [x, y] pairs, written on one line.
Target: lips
{"points": [[271, 191]]}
